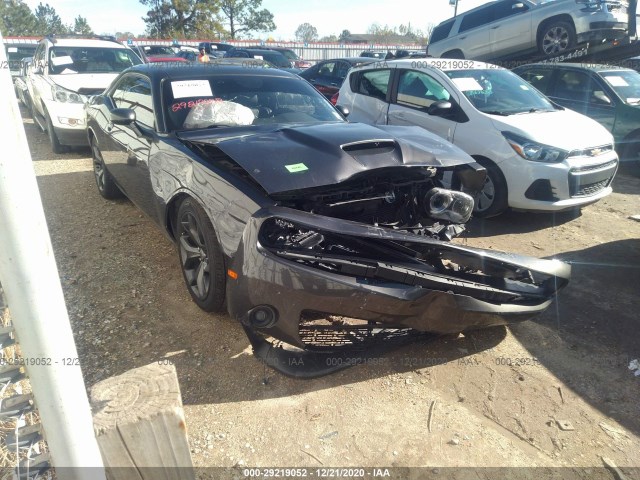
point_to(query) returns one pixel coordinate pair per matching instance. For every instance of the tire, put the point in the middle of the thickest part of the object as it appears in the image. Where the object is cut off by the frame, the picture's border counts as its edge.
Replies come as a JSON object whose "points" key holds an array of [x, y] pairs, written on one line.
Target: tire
{"points": [[492, 200], [104, 181], [201, 259], [556, 37], [56, 146], [454, 54]]}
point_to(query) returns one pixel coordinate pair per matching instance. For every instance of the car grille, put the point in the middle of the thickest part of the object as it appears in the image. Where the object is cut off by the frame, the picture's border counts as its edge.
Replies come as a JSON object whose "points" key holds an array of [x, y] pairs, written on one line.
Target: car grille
{"points": [[592, 151], [591, 179], [591, 189], [588, 168]]}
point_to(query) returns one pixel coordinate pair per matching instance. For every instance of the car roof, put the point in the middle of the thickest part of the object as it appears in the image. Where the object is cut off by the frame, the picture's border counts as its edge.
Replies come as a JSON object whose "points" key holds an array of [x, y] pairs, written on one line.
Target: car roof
{"points": [[157, 71], [592, 67], [438, 63], [352, 60], [84, 42]]}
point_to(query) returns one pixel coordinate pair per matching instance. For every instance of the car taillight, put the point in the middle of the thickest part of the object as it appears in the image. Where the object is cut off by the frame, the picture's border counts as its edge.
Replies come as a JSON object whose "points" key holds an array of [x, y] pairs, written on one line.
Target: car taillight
{"points": [[334, 98]]}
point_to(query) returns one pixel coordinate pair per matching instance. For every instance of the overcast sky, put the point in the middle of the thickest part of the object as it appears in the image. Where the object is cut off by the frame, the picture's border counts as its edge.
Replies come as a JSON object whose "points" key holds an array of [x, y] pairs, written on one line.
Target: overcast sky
{"points": [[328, 16]]}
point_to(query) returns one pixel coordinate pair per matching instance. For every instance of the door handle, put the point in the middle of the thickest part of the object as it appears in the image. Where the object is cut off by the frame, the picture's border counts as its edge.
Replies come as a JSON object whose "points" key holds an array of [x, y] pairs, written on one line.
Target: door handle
{"points": [[462, 38], [497, 26]]}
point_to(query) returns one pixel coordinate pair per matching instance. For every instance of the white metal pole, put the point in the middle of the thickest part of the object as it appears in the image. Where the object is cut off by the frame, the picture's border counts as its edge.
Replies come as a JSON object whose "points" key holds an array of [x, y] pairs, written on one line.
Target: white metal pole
{"points": [[30, 280]]}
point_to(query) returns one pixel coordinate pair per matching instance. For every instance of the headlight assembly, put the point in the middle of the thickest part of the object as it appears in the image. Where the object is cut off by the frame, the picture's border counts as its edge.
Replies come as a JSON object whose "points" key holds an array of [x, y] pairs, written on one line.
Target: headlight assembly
{"points": [[534, 151], [66, 96], [448, 205]]}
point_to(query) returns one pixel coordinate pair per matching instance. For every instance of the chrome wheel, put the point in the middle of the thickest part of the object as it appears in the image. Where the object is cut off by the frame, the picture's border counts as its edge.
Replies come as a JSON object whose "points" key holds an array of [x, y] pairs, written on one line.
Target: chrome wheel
{"points": [[556, 40], [98, 167]]}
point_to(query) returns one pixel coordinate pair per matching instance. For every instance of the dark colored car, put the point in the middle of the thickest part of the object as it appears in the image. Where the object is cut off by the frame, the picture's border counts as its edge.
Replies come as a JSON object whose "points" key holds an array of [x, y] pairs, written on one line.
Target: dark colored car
{"points": [[380, 55], [296, 61], [327, 76], [156, 53], [608, 94], [276, 59], [216, 49], [188, 55], [299, 222]]}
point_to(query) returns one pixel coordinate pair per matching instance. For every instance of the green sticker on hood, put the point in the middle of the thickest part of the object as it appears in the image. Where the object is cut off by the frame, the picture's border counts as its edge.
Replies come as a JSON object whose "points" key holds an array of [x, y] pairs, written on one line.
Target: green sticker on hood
{"points": [[296, 167]]}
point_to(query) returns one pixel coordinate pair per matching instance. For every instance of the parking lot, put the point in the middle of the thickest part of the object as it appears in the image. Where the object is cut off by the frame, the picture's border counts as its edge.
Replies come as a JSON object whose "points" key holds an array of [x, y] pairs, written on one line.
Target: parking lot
{"points": [[552, 392]]}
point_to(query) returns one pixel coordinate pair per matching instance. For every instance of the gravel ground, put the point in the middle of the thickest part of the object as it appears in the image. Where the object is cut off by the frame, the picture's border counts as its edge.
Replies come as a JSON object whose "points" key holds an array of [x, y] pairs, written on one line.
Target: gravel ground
{"points": [[552, 392]]}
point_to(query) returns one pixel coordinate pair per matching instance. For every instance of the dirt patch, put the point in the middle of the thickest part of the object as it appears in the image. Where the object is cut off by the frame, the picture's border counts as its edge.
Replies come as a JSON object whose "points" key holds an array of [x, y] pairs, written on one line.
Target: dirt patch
{"points": [[555, 391]]}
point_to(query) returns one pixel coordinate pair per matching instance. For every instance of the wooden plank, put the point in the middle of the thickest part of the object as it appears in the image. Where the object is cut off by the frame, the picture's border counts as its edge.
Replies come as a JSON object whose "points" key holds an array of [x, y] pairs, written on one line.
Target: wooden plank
{"points": [[139, 424]]}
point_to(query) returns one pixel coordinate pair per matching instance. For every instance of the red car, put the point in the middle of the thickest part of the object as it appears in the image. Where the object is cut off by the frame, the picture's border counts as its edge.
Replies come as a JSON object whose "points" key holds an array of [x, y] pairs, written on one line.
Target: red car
{"points": [[156, 53]]}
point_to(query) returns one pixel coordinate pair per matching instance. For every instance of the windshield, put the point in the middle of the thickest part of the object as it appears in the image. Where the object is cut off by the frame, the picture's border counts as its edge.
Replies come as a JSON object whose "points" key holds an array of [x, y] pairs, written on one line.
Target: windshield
{"points": [[15, 54], [70, 60], [626, 84], [223, 101], [289, 54], [499, 92], [158, 51]]}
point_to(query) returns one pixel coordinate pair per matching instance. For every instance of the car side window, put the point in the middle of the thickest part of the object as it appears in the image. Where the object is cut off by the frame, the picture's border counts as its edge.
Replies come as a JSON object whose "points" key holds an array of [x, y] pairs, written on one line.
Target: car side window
{"points": [[38, 57], [507, 8], [539, 78], [575, 85], [134, 92], [442, 31], [326, 70], [477, 19], [374, 83], [417, 89]]}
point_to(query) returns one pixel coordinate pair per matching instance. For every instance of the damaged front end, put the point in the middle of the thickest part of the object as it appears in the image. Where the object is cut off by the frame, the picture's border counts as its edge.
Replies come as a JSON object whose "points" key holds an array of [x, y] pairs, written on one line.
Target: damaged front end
{"points": [[330, 287]]}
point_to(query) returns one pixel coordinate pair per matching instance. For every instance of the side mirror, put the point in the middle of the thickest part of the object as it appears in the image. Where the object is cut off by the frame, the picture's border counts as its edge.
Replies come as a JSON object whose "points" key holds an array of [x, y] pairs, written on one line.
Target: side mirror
{"points": [[123, 116], [602, 97], [517, 6], [343, 110], [439, 108]]}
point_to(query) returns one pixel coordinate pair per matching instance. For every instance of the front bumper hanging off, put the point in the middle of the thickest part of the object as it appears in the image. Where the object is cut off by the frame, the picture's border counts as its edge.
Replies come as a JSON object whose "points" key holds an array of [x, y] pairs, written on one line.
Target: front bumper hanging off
{"points": [[327, 286]]}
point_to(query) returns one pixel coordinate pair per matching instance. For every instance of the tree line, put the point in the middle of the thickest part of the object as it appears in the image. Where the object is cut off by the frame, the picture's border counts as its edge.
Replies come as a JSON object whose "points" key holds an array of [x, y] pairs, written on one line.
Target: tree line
{"points": [[17, 19], [164, 19], [185, 19]]}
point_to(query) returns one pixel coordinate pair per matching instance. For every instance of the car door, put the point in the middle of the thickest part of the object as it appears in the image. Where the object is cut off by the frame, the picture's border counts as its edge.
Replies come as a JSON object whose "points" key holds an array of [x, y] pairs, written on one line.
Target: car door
{"points": [[582, 92], [416, 91], [510, 30], [128, 147], [35, 80], [370, 102]]}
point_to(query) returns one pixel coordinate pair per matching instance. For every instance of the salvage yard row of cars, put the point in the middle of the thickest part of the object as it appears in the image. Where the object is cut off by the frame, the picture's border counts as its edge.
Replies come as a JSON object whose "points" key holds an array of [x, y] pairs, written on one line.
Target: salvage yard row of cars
{"points": [[326, 234]]}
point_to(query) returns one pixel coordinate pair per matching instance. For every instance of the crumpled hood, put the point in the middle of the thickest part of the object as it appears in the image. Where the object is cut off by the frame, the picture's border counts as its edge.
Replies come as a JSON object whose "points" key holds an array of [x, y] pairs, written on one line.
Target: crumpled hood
{"points": [[293, 157], [563, 129], [76, 81]]}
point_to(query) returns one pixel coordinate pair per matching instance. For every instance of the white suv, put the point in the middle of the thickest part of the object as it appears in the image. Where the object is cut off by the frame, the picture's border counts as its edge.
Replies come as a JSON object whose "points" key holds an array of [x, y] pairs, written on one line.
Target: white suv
{"points": [[64, 73], [504, 28], [538, 155]]}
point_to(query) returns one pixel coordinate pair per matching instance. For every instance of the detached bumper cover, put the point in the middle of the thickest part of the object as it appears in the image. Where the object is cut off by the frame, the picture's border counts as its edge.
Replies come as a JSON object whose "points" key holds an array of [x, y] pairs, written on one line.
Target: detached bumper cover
{"points": [[387, 278]]}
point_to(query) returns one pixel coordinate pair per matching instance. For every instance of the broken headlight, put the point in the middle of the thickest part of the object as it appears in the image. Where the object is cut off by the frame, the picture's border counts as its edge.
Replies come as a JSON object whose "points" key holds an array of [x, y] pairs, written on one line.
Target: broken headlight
{"points": [[448, 205]]}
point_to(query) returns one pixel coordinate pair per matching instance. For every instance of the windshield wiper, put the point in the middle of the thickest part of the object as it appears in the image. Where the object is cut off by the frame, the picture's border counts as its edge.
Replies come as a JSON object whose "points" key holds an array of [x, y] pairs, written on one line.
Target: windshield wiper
{"points": [[497, 112]]}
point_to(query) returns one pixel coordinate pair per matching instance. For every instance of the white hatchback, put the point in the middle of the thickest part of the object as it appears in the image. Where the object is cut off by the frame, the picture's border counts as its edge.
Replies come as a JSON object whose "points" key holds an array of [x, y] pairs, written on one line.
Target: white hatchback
{"points": [[538, 155]]}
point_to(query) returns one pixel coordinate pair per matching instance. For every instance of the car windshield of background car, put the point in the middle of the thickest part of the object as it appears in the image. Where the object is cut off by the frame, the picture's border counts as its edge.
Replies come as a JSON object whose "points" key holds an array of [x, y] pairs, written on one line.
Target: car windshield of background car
{"points": [[70, 60], [499, 92], [626, 83]]}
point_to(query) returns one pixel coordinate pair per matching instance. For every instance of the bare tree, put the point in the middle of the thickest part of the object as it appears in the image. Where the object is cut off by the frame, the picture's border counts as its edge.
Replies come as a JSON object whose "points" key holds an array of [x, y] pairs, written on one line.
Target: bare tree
{"points": [[306, 33]]}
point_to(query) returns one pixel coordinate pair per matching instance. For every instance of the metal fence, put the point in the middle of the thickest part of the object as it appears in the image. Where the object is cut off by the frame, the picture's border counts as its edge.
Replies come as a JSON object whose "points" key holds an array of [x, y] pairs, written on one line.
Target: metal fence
{"points": [[307, 51]]}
